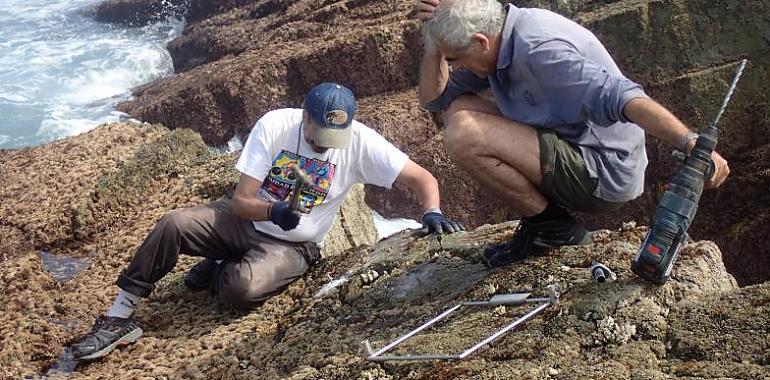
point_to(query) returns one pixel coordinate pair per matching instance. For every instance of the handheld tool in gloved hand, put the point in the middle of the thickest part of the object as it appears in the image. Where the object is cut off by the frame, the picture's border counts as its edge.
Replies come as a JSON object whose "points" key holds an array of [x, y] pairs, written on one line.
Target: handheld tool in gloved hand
{"points": [[677, 208], [287, 214], [301, 180]]}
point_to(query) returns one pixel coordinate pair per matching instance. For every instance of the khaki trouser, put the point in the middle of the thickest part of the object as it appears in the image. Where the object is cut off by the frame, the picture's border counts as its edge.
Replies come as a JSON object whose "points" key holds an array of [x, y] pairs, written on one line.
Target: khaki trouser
{"points": [[255, 265], [566, 180]]}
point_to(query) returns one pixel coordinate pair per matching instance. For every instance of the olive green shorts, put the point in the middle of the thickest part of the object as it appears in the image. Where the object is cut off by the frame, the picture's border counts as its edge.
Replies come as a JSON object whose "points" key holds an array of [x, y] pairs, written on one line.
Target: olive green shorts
{"points": [[565, 176]]}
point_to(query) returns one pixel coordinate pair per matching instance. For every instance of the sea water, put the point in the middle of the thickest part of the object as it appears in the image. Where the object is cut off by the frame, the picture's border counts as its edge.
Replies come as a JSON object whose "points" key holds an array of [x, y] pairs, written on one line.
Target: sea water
{"points": [[62, 73]]}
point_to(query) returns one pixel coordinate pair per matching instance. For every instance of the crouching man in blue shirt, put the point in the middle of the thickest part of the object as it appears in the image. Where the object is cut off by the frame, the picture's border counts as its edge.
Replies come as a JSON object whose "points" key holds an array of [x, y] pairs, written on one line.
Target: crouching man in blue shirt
{"points": [[562, 129]]}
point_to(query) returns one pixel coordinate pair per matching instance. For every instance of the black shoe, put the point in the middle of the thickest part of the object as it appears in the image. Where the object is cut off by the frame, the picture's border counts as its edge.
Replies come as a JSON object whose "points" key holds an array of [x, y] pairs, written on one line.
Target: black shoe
{"points": [[106, 334], [520, 247], [199, 277], [564, 230]]}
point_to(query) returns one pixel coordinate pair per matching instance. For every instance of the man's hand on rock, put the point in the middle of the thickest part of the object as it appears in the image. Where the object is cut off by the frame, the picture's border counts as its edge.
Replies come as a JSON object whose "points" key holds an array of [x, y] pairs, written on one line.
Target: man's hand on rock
{"points": [[434, 222], [423, 9], [282, 215]]}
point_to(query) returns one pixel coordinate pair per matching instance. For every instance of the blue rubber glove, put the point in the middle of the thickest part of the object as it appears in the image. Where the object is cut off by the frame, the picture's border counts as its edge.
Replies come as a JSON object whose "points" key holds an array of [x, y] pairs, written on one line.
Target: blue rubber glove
{"points": [[282, 215], [435, 222]]}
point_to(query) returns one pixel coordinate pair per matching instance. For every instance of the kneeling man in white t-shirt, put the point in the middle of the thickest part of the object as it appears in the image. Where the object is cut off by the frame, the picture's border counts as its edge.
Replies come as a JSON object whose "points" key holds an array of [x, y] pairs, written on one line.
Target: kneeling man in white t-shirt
{"points": [[258, 242]]}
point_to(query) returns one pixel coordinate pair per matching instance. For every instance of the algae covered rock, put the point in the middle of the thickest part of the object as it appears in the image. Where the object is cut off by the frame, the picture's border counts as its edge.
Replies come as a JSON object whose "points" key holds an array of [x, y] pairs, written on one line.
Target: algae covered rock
{"points": [[698, 325], [93, 198]]}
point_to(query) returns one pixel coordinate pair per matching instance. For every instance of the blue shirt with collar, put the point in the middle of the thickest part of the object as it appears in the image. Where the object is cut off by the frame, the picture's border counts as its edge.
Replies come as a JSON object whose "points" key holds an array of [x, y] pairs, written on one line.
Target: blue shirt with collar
{"points": [[552, 73]]}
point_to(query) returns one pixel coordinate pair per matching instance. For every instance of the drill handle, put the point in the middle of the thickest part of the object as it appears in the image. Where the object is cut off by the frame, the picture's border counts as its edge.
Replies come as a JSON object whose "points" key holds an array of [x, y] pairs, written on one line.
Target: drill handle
{"points": [[710, 170], [681, 157]]}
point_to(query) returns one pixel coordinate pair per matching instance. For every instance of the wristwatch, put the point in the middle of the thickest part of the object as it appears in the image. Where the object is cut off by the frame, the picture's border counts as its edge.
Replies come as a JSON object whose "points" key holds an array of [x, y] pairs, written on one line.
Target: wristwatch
{"points": [[686, 139]]}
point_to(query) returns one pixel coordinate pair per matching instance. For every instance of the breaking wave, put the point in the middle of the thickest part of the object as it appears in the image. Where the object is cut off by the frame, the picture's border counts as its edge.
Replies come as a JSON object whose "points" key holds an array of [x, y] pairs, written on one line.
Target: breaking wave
{"points": [[62, 73]]}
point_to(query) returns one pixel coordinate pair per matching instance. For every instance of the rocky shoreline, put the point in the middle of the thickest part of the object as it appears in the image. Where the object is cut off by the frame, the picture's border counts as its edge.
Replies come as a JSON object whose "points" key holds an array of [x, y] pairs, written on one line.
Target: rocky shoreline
{"points": [[98, 208], [94, 197], [238, 59]]}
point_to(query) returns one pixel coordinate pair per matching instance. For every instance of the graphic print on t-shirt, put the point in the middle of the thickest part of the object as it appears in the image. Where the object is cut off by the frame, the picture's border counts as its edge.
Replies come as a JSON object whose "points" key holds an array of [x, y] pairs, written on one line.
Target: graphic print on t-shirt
{"points": [[280, 180]]}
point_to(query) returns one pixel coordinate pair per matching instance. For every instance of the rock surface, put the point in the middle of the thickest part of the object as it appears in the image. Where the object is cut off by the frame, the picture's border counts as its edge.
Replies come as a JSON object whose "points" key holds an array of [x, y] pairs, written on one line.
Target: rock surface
{"points": [[238, 59], [94, 197]]}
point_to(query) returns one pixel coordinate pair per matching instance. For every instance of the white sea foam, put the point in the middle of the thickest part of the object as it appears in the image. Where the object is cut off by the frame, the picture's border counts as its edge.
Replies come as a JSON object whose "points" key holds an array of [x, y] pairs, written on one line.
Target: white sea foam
{"points": [[234, 145], [13, 98], [61, 73], [63, 122], [14, 93], [387, 227]]}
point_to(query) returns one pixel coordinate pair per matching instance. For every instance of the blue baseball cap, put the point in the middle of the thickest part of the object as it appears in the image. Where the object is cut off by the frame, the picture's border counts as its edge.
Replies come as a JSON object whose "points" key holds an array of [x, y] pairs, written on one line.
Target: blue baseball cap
{"points": [[331, 107]]}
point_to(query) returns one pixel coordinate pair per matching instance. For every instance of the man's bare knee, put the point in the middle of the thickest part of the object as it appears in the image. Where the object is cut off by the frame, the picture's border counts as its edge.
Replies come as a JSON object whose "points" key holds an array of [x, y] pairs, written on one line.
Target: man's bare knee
{"points": [[463, 137], [461, 103], [472, 102]]}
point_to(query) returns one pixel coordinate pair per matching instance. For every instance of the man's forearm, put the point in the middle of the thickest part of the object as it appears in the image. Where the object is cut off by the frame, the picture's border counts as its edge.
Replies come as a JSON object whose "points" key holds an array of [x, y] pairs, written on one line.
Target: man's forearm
{"points": [[250, 208], [656, 120], [421, 183], [434, 74], [428, 193]]}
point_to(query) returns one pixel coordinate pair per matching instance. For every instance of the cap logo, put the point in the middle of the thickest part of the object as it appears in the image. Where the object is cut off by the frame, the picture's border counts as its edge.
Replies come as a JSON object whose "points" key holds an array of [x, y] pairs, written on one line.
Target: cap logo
{"points": [[336, 117]]}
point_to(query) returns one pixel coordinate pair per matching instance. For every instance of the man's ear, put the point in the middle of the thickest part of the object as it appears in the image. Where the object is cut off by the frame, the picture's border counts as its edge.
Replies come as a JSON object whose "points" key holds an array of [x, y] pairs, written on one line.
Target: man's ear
{"points": [[483, 40], [305, 118]]}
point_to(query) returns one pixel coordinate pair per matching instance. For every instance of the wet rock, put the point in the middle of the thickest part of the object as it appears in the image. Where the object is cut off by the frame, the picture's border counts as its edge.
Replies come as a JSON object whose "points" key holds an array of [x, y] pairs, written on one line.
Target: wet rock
{"points": [[96, 195], [138, 12], [62, 268]]}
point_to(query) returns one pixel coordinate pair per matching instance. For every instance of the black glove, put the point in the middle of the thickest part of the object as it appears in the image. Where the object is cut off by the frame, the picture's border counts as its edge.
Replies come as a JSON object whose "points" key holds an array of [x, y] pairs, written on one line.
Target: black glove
{"points": [[281, 214], [435, 222]]}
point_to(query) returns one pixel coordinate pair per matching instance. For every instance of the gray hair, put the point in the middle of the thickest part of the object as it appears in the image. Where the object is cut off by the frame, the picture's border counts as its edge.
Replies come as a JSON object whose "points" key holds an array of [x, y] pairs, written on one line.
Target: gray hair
{"points": [[455, 21]]}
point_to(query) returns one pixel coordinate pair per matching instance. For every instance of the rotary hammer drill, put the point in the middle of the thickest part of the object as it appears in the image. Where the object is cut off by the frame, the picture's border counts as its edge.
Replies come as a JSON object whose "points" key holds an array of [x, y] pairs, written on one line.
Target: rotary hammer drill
{"points": [[677, 208]]}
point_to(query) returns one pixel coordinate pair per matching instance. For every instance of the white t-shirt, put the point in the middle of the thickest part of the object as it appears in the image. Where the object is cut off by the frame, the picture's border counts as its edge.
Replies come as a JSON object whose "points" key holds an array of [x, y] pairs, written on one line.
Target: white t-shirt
{"points": [[272, 147]]}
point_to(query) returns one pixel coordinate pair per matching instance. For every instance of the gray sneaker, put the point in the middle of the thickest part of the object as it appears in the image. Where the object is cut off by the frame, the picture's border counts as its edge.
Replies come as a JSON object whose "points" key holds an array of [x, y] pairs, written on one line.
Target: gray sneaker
{"points": [[106, 334]]}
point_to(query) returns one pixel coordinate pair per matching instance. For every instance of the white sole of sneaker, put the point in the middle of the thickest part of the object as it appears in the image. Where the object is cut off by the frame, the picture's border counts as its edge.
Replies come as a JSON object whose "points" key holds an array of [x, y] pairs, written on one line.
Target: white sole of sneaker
{"points": [[129, 338]]}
